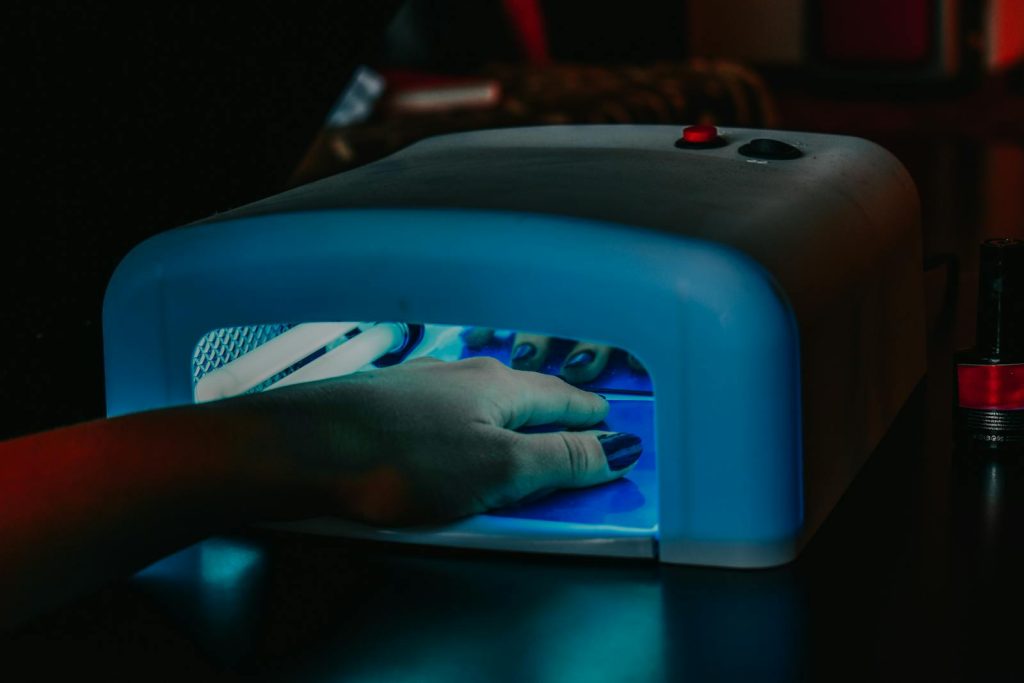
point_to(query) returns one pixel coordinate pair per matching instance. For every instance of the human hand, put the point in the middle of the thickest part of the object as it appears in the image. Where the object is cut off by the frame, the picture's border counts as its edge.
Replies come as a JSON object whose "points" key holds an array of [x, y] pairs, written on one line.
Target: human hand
{"points": [[428, 441]]}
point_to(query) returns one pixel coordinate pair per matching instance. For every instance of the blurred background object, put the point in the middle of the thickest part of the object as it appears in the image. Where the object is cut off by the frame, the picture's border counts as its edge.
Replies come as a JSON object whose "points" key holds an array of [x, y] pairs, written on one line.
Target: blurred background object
{"points": [[448, 66], [873, 41], [416, 106]]}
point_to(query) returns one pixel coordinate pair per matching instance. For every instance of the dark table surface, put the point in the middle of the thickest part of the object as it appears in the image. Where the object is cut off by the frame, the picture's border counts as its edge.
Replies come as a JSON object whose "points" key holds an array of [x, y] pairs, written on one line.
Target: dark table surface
{"points": [[913, 576]]}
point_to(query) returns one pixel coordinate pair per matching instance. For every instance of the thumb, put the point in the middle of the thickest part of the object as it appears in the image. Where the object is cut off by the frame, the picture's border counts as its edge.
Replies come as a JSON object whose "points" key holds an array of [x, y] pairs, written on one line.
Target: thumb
{"points": [[575, 459]]}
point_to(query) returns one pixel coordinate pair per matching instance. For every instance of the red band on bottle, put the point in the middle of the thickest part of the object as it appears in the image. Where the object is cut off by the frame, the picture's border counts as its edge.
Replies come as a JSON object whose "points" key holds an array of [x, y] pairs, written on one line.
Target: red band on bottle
{"points": [[991, 387]]}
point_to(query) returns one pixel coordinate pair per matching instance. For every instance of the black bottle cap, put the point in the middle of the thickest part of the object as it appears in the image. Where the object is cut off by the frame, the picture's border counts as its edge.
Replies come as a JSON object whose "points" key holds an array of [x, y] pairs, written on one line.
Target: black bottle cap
{"points": [[1000, 332]]}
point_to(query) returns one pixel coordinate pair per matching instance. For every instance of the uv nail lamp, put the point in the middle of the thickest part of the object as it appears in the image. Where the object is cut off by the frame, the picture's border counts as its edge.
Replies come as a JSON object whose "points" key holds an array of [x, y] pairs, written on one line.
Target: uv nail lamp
{"points": [[770, 283]]}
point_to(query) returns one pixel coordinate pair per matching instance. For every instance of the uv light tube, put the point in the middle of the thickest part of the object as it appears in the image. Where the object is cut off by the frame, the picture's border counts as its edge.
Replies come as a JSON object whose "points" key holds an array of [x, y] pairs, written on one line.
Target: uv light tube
{"points": [[268, 359], [352, 355]]}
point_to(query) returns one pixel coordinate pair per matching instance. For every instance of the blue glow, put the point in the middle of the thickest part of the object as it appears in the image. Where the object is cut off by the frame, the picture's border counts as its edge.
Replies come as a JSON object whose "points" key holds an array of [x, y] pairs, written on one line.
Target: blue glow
{"points": [[226, 563], [220, 562], [708, 322]]}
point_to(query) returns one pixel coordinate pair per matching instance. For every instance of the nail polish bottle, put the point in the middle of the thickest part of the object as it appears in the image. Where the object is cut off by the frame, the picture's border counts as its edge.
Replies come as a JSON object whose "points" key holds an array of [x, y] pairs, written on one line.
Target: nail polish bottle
{"points": [[990, 377]]}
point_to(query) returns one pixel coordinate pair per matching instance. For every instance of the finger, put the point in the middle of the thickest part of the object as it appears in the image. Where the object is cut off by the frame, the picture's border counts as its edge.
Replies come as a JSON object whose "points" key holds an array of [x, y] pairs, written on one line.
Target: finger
{"points": [[585, 362], [529, 351], [573, 459], [477, 337], [427, 360], [543, 399]]}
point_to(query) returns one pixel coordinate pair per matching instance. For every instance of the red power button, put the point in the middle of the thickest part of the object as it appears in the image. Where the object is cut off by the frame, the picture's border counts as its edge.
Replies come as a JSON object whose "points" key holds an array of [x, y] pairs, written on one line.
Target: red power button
{"points": [[700, 134], [700, 137]]}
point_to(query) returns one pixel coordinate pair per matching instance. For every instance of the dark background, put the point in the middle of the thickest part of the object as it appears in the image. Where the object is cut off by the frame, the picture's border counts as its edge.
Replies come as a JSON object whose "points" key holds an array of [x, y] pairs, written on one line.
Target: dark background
{"points": [[129, 119]]}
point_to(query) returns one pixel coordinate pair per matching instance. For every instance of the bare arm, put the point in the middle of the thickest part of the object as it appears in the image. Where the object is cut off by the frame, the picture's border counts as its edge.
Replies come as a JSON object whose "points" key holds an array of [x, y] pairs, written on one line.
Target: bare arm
{"points": [[427, 441], [86, 503]]}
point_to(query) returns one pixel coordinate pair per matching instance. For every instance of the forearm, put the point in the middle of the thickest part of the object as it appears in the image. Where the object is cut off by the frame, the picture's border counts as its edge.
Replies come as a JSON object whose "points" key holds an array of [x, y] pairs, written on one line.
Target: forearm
{"points": [[420, 442], [87, 503]]}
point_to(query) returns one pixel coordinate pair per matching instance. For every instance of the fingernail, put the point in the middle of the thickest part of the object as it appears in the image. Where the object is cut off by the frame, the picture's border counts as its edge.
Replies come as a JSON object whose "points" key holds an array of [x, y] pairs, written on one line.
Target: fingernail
{"points": [[524, 351], [621, 449], [579, 359]]}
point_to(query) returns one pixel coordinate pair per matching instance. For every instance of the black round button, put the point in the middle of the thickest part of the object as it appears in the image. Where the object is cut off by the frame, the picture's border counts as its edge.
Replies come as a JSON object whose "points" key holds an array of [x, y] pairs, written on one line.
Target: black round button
{"points": [[765, 148]]}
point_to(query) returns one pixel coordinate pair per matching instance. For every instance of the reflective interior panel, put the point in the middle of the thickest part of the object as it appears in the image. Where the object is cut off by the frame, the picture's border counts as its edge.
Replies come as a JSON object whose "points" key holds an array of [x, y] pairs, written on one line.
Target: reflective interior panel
{"points": [[238, 360]]}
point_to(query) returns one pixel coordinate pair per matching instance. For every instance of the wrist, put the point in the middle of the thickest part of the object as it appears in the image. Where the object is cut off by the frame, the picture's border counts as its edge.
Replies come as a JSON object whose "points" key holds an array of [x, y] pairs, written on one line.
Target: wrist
{"points": [[288, 449], [246, 446]]}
